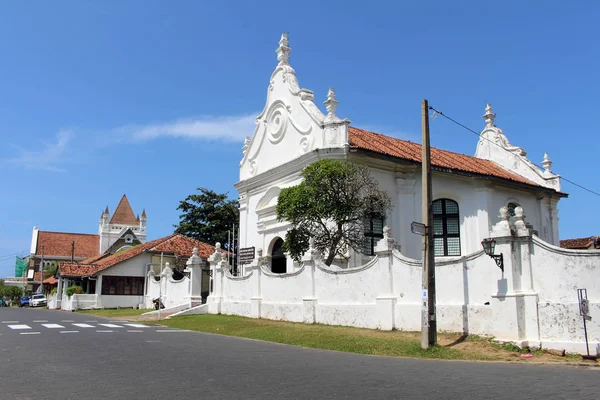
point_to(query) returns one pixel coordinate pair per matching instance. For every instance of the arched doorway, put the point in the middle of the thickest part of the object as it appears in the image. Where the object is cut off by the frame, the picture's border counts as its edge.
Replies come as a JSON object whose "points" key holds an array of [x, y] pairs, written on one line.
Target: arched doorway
{"points": [[278, 261]]}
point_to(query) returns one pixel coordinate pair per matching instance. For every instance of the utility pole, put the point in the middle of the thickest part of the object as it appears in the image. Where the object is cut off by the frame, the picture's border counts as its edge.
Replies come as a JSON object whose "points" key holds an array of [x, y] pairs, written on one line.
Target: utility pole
{"points": [[428, 317], [41, 288]]}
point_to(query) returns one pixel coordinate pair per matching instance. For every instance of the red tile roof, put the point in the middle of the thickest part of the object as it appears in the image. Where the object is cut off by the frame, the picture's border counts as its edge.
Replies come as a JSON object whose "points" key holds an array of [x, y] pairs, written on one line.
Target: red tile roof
{"points": [[179, 245], [60, 244], [579, 243], [51, 281], [124, 214], [447, 160]]}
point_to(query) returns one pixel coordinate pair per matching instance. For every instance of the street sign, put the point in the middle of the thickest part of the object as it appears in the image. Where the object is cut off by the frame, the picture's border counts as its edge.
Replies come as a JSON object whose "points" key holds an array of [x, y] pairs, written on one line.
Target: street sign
{"points": [[585, 307], [418, 228], [246, 255]]}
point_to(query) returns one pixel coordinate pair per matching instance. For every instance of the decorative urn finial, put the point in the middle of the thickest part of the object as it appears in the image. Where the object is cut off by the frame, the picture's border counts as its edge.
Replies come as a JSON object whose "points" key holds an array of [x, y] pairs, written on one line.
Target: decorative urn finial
{"points": [[331, 103], [283, 51], [547, 163], [489, 116]]}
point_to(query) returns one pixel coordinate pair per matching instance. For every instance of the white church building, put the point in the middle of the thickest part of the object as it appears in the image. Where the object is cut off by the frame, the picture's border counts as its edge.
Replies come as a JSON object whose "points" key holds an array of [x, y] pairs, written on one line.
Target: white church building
{"points": [[292, 133], [497, 193]]}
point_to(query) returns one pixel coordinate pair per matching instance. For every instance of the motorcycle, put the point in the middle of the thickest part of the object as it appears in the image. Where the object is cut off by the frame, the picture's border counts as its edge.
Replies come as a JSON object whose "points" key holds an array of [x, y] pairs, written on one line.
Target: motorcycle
{"points": [[156, 302]]}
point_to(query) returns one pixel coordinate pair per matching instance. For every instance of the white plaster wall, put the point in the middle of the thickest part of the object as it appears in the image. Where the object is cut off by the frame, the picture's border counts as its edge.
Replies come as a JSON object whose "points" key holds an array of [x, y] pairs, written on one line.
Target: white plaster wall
{"points": [[116, 301], [557, 274], [365, 296]]}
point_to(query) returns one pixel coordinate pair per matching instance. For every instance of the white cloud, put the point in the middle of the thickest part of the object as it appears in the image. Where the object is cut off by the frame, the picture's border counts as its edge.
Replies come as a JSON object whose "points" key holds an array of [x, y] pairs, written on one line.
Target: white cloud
{"points": [[231, 128], [46, 159]]}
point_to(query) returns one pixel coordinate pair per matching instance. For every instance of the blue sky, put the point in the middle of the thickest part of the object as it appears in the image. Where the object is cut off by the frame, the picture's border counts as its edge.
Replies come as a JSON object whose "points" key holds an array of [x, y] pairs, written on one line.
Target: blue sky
{"points": [[153, 98]]}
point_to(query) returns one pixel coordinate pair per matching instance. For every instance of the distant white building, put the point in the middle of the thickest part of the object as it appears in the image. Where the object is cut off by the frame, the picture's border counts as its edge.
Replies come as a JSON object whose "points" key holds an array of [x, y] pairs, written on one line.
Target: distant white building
{"points": [[292, 133]]}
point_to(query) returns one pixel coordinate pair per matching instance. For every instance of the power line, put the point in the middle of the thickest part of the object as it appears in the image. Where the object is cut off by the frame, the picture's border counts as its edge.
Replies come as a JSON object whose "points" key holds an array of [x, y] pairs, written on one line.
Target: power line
{"points": [[482, 137], [8, 256]]}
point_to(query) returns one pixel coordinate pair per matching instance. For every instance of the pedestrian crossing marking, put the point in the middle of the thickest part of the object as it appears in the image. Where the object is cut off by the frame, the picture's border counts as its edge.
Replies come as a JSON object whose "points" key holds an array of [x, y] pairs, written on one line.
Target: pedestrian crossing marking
{"points": [[52, 326], [84, 325], [41, 320], [137, 325], [105, 331], [69, 331], [10, 322], [111, 325], [134, 330], [30, 333], [19, 326]]}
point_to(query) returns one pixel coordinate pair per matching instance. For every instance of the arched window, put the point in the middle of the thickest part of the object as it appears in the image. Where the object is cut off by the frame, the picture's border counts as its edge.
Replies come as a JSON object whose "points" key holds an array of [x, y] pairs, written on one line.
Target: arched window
{"points": [[511, 208], [446, 228], [278, 261]]}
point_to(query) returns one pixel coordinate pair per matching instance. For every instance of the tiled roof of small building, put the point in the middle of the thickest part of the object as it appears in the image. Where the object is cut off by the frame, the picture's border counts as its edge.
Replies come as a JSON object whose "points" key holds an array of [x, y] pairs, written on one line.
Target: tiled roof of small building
{"points": [[179, 245], [578, 243], [60, 244], [442, 159]]}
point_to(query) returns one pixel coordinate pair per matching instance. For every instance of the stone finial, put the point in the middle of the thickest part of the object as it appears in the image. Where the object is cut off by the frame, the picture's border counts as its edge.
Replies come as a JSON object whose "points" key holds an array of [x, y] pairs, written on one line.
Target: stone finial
{"points": [[489, 116], [283, 51], [504, 214], [547, 163], [387, 244], [195, 252], [522, 228], [331, 103], [246, 145], [259, 253], [503, 227], [218, 247]]}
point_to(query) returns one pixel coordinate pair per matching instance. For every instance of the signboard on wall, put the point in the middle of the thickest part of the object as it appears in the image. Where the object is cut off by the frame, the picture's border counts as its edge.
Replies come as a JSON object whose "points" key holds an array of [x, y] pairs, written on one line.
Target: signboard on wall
{"points": [[247, 255]]}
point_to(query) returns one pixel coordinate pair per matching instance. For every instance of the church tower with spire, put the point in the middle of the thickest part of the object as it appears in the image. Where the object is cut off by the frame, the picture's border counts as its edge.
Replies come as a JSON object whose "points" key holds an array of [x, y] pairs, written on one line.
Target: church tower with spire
{"points": [[123, 229]]}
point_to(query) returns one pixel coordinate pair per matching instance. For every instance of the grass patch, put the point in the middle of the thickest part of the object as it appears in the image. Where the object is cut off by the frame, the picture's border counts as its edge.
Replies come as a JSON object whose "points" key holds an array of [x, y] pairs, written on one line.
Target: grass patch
{"points": [[354, 340], [452, 346], [115, 312]]}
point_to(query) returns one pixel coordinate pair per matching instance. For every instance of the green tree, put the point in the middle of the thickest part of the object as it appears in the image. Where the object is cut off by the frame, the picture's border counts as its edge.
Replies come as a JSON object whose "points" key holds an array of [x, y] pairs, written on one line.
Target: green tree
{"points": [[12, 292], [50, 270], [207, 216], [330, 207]]}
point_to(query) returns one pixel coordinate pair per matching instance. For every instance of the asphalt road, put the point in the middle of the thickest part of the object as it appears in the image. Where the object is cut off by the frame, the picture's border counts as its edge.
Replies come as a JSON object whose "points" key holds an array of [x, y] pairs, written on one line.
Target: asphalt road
{"points": [[64, 355]]}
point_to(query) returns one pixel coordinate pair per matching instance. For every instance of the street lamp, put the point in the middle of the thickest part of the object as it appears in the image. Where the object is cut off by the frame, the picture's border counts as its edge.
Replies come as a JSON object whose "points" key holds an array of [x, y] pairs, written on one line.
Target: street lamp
{"points": [[489, 245]]}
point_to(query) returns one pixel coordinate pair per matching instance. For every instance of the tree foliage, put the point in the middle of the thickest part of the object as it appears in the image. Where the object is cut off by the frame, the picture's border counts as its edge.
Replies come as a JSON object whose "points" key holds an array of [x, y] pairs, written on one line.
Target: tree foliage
{"points": [[12, 292], [330, 207], [207, 216]]}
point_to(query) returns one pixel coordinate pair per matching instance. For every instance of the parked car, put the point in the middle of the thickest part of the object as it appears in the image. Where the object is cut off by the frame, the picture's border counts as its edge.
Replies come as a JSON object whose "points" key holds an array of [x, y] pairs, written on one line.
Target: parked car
{"points": [[38, 300], [23, 301]]}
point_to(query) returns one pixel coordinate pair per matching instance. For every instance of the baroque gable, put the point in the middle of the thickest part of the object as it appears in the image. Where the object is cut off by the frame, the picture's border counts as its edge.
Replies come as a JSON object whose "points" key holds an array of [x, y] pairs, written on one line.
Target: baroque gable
{"points": [[290, 124], [493, 145]]}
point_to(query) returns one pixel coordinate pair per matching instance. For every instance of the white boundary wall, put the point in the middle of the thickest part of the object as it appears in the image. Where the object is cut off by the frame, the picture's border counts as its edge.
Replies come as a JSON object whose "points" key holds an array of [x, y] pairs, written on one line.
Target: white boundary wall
{"points": [[533, 302]]}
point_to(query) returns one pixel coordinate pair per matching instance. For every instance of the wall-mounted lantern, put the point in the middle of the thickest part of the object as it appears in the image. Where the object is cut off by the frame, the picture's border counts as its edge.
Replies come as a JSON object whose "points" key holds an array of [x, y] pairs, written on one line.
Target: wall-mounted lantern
{"points": [[489, 246]]}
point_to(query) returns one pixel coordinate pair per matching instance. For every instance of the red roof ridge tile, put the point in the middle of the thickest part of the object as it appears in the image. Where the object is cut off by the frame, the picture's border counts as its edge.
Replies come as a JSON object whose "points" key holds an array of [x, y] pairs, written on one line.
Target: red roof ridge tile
{"points": [[71, 233]]}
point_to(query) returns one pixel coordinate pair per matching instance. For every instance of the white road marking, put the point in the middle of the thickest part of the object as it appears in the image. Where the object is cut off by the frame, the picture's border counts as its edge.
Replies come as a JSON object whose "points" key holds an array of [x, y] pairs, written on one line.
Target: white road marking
{"points": [[69, 331], [153, 341], [91, 321], [67, 320], [105, 331], [30, 333], [53, 326], [111, 325], [41, 320], [84, 325], [137, 325], [133, 330], [10, 322], [19, 326]]}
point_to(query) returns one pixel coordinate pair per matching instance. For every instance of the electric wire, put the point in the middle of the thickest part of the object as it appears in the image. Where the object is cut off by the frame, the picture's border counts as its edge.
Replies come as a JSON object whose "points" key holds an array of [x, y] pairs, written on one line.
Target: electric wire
{"points": [[482, 137]]}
